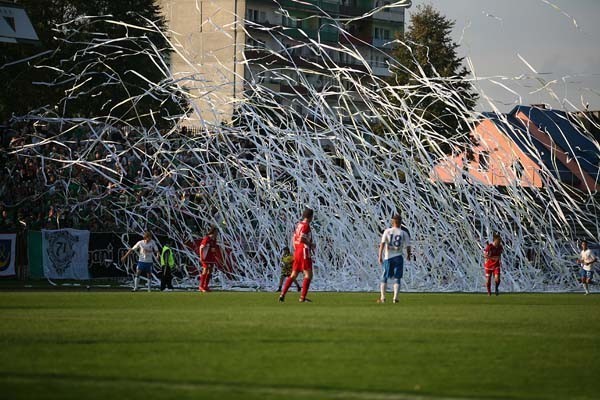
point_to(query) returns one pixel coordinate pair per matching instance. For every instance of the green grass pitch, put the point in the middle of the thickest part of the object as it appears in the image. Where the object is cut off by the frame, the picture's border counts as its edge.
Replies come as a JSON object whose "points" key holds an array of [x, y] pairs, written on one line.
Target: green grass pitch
{"points": [[103, 345]]}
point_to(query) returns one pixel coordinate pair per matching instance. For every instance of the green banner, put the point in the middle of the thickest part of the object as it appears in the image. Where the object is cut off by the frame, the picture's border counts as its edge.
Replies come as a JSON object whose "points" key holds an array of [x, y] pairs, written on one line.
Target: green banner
{"points": [[34, 252]]}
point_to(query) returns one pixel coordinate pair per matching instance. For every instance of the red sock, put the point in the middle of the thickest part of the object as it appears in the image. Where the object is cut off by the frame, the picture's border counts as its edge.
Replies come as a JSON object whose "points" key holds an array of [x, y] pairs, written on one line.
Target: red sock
{"points": [[305, 285], [207, 281], [488, 285], [286, 285], [202, 281]]}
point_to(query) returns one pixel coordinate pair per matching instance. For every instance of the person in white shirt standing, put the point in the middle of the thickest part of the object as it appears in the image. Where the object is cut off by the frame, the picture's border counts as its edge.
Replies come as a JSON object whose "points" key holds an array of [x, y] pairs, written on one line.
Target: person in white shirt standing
{"points": [[146, 248], [391, 256], [586, 260]]}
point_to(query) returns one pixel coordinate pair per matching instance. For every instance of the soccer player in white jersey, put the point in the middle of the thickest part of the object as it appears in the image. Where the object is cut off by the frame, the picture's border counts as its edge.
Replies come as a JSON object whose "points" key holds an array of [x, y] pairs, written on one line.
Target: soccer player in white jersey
{"points": [[145, 248], [587, 260], [391, 256]]}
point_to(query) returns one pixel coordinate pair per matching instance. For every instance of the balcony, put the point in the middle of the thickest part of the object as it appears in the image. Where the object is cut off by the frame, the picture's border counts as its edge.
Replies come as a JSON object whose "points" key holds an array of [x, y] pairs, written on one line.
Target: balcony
{"points": [[271, 85], [271, 58], [299, 33], [264, 57], [360, 40], [294, 90], [353, 64], [355, 8], [325, 34], [353, 11], [329, 34], [327, 7], [262, 25], [381, 71], [384, 43], [393, 14]]}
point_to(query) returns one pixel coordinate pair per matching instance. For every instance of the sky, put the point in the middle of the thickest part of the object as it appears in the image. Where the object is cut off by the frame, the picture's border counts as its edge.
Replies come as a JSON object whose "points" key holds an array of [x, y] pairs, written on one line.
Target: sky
{"points": [[559, 39]]}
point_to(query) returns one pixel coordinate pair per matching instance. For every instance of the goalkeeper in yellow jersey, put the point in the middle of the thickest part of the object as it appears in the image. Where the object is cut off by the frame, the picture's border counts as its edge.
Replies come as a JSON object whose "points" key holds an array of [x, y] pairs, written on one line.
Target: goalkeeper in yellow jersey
{"points": [[287, 259]]}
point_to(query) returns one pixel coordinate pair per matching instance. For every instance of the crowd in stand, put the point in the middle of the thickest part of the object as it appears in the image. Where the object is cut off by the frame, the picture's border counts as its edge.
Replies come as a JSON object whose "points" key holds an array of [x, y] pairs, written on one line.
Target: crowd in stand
{"points": [[42, 189]]}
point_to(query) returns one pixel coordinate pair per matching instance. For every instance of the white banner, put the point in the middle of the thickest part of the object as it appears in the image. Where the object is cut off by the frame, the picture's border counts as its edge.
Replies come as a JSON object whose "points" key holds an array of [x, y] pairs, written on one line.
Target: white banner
{"points": [[7, 254], [65, 254]]}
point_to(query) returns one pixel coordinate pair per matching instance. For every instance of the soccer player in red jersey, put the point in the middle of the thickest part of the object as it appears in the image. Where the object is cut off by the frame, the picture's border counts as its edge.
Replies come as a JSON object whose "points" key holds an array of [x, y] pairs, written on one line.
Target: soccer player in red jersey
{"points": [[492, 254], [303, 246], [209, 256]]}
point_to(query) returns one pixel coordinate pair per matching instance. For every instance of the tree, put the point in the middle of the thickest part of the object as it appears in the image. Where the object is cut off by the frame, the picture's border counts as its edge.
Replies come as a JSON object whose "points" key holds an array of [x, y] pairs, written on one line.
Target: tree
{"points": [[107, 65], [434, 75]]}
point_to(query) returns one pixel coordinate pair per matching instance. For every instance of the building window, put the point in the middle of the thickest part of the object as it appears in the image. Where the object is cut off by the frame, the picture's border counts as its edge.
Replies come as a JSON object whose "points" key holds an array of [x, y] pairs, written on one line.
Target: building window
{"points": [[379, 62], [291, 50], [381, 33], [256, 15], [253, 43], [252, 15], [290, 21]]}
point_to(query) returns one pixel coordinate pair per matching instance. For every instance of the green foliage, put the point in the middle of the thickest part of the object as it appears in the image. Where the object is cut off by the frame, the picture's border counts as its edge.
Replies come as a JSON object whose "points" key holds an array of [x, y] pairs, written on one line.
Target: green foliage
{"points": [[91, 66], [92, 345], [431, 69]]}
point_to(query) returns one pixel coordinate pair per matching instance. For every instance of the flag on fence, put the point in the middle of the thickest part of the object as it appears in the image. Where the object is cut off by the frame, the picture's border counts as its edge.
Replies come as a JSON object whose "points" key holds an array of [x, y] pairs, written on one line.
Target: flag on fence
{"points": [[65, 253], [7, 254]]}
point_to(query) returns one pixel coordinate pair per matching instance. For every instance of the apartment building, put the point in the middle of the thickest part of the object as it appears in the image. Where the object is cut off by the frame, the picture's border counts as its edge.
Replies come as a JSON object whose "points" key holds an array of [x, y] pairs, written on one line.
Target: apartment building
{"points": [[227, 47]]}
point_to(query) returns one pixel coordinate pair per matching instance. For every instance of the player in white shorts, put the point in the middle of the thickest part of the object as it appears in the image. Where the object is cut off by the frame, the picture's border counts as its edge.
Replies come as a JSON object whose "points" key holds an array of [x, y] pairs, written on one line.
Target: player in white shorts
{"points": [[586, 260], [391, 256], [146, 248]]}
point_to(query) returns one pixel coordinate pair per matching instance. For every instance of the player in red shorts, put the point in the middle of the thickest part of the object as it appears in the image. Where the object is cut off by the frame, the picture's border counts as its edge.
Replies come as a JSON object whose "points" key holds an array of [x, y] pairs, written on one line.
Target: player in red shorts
{"points": [[492, 255], [209, 256], [303, 246]]}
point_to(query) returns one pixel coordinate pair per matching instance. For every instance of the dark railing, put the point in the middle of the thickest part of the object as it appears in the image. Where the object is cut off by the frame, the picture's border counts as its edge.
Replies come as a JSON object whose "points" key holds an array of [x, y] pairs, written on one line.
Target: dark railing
{"points": [[356, 39], [355, 11], [325, 6], [258, 56], [296, 89]]}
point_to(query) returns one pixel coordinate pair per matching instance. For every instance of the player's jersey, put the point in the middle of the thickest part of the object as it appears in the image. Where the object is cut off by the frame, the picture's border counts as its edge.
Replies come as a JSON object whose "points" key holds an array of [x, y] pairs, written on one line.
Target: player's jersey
{"points": [[493, 251], [195, 245], [587, 259], [145, 250], [208, 249], [287, 261], [395, 240], [301, 249]]}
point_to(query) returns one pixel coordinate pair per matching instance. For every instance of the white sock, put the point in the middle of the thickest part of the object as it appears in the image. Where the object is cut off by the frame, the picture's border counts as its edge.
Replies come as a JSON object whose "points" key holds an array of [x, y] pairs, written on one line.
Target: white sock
{"points": [[135, 282], [396, 289], [382, 289], [585, 286]]}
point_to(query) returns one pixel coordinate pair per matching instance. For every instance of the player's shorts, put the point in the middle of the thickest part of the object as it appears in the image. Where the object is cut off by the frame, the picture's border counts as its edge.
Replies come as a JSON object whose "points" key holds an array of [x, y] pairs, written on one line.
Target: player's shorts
{"points": [[144, 267], [585, 274], [393, 268], [209, 264], [492, 271], [302, 260]]}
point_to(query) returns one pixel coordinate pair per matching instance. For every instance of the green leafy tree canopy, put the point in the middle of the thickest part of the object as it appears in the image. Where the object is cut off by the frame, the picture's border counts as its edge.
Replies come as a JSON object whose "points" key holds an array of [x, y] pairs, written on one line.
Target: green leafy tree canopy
{"points": [[433, 75], [112, 64]]}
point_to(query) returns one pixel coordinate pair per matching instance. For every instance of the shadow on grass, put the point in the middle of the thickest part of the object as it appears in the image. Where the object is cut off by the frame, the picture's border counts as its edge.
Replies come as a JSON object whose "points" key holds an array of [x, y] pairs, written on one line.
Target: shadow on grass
{"points": [[284, 390]]}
